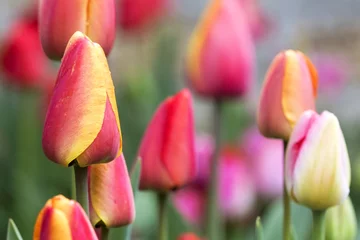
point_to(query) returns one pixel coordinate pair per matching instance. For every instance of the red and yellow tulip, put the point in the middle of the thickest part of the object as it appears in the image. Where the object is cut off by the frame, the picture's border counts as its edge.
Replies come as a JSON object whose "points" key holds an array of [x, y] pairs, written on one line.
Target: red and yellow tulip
{"points": [[82, 121]]}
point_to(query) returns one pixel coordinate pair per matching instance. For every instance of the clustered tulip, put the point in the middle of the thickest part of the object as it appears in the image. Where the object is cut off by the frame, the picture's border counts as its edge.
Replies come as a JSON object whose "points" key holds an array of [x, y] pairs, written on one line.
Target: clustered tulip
{"points": [[167, 148], [62, 218], [82, 121], [60, 19], [289, 89], [220, 55], [317, 168], [110, 194]]}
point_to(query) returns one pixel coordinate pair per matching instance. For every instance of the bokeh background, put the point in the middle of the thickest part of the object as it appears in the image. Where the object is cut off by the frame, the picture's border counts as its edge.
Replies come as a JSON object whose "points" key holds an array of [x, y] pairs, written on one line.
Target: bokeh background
{"points": [[147, 66]]}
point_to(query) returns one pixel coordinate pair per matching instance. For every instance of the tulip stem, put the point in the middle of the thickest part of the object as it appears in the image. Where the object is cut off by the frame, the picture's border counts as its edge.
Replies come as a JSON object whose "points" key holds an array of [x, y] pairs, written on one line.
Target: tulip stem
{"points": [[162, 231], [318, 231], [81, 185], [287, 208], [104, 233], [213, 224]]}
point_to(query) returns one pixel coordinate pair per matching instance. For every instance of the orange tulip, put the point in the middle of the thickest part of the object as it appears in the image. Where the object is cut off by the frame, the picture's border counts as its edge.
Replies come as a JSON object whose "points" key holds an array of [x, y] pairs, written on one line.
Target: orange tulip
{"points": [[220, 58], [63, 219], [60, 19], [289, 89], [167, 148], [110, 194], [82, 120]]}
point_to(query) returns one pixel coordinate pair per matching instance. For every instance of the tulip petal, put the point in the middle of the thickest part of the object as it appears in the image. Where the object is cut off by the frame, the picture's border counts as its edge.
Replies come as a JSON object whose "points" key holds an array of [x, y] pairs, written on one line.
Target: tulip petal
{"points": [[76, 111], [111, 194]]}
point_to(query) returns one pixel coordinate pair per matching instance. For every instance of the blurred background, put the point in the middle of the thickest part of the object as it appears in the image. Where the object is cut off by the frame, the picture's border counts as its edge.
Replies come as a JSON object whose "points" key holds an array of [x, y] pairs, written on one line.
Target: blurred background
{"points": [[147, 65]]}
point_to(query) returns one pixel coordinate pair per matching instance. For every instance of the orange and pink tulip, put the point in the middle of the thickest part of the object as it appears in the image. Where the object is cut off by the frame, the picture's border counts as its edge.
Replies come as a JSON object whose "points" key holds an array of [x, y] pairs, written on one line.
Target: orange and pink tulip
{"points": [[62, 218], [60, 19], [82, 121], [110, 194], [220, 57], [167, 148], [289, 89]]}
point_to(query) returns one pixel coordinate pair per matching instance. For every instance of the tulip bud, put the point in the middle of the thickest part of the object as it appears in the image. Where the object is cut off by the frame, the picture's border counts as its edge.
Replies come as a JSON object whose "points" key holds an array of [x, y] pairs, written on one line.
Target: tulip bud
{"points": [[167, 148], [135, 14], [340, 222], [220, 57], [82, 120], [110, 194], [188, 236], [317, 168], [62, 218], [289, 89], [60, 19], [22, 59]]}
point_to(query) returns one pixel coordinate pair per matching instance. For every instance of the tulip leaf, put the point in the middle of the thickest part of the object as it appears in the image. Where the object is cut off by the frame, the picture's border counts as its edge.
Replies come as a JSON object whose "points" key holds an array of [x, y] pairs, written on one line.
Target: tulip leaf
{"points": [[259, 231], [13, 232]]}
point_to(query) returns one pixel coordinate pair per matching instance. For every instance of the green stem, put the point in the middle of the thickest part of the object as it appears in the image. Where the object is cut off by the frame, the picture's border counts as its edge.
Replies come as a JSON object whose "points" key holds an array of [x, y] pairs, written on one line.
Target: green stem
{"points": [[213, 224], [318, 231], [162, 230], [81, 185], [287, 209], [104, 233]]}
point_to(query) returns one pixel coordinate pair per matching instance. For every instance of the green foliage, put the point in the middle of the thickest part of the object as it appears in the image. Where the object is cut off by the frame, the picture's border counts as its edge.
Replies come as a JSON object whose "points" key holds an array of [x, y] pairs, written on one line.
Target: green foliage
{"points": [[12, 231]]}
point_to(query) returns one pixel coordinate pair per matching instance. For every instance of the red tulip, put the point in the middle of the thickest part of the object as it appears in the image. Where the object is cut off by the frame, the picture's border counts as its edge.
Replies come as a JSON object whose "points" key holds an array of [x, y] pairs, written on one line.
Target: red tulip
{"points": [[135, 14], [64, 219], [60, 19], [110, 194], [82, 121], [188, 236], [220, 58], [22, 59], [167, 148]]}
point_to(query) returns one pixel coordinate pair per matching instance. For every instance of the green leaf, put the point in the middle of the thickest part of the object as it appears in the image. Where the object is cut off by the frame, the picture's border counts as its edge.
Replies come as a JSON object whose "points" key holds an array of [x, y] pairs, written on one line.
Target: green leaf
{"points": [[13, 232], [259, 230]]}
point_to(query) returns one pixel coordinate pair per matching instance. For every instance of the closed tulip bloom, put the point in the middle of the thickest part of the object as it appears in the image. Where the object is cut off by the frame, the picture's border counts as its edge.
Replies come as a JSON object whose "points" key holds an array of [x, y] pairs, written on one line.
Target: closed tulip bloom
{"points": [[340, 222], [167, 147], [82, 121], [317, 165], [135, 14], [220, 57], [60, 19], [188, 236], [63, 219], [110, 194], [289, 89]]}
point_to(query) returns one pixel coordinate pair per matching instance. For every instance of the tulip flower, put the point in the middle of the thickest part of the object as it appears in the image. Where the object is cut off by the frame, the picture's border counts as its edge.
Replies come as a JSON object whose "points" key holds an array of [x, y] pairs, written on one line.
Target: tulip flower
{"points": [[188, 236], [135, 14], [167, 148], [265, 157], [340, 222], [22, 59], [82, 120], [62, 218], [289, 89], [60, 19], [110, 194], [220, 57], [317, 169]]}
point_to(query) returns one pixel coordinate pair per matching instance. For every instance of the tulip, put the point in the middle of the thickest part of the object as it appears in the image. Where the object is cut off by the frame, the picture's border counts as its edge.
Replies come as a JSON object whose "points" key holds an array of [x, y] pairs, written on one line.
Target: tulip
{"points": [[22, 59], [220, 57], [188, 236], [265, 157], [289, 89], [340, 222], [135, 14], [60, 19], [317, 168], [110, 193], [167, 148], [62, 218], [82, 123]]}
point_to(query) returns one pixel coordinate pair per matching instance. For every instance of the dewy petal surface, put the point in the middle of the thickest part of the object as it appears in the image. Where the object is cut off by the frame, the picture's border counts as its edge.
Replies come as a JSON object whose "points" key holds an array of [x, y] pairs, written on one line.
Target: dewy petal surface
{"points": [[76, 111], [111, 194]]}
